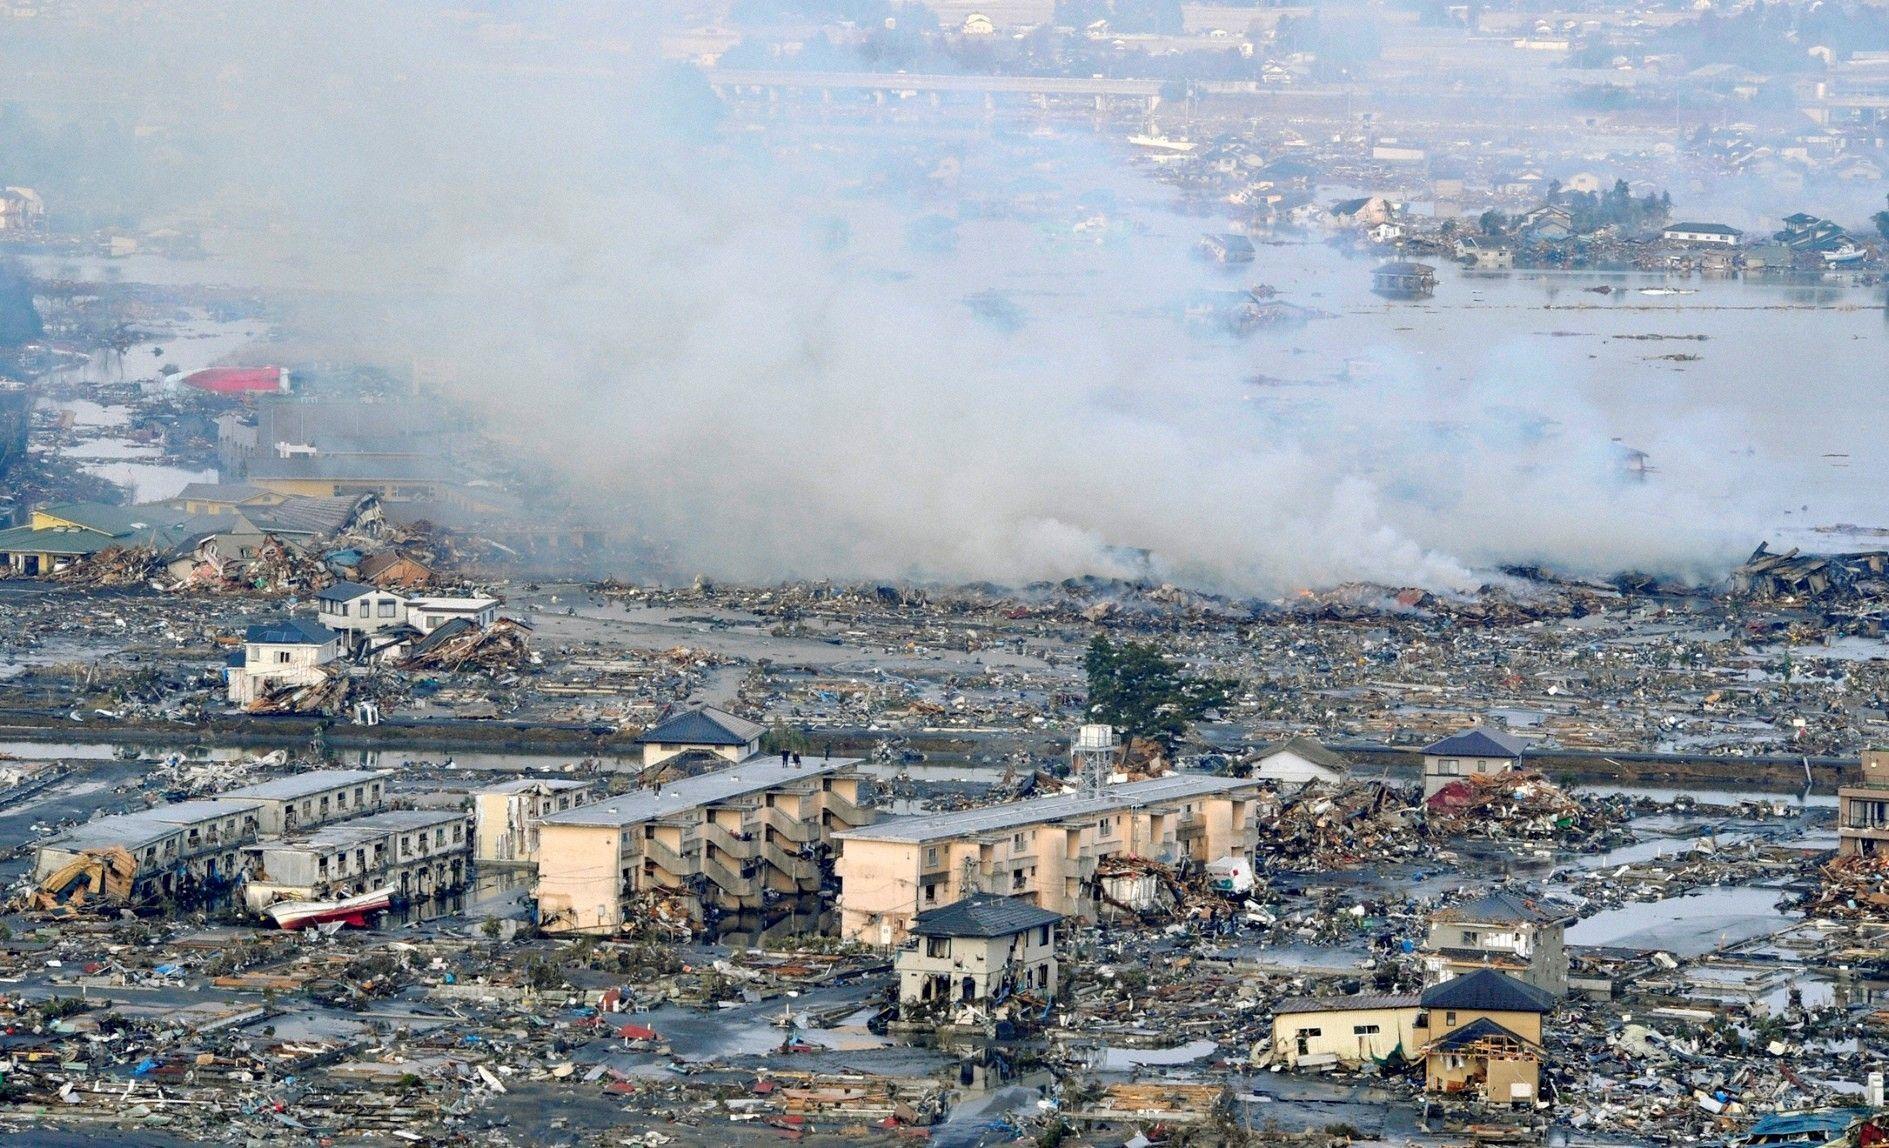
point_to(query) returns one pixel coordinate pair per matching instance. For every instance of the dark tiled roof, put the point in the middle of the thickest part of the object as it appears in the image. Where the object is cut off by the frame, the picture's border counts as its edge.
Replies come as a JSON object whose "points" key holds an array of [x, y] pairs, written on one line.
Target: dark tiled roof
{"points": [[1478, 742], [982, 915], [1347, 1004], [705, 726], [290, 631], [1502, 907], [1488, 991], [345, 592], [1482, 1028]]}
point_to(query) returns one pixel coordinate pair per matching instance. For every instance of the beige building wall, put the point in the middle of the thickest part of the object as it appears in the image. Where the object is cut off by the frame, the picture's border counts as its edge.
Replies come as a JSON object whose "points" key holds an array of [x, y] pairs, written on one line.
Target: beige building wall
{"points": [[581, 876], [1351, 1035]]}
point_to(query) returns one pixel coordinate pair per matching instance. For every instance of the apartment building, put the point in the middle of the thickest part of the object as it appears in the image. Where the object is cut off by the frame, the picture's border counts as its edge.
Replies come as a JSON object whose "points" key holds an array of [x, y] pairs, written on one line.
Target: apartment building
{"points": [[1505, 931], [189, 849], [506, 816], [319, 796], [421, 853], [1046, 850], [733, 838], [1863, 808]]}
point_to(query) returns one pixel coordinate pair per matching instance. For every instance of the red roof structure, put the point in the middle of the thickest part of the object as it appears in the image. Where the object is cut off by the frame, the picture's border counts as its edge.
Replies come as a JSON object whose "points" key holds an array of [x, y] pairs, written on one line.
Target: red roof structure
{"points": [[236, 380]]}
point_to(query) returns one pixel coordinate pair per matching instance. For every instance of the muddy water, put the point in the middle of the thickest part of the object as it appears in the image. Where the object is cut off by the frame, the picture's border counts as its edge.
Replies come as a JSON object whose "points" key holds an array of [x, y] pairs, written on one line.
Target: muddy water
{"points": [[1687, 925]]}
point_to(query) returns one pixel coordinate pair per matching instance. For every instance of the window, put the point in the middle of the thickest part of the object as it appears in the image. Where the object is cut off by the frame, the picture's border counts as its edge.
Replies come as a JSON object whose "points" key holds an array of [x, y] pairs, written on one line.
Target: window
{"points": [[937, 946], [1449, 1018], [386, 608], [341, 800], [1305, 1032], [1016, 843], [1044, 939], [931, 856], [357, 795], [1364, 1029], [282, 657], [931, 892], [1448, 767], [341, 609], [1471, 937]]}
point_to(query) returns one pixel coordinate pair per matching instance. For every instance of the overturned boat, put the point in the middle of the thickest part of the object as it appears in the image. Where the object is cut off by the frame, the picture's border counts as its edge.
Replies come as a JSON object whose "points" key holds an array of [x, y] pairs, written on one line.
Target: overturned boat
{"points": [[353, 910]]}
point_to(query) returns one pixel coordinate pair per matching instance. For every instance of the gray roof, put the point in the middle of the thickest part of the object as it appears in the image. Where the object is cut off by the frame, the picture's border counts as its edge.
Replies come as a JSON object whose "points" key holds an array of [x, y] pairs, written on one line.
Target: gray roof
{"points": [[134, 829], [1502, 907], [960, 823], [290, 632], [232, 492], [1313, 751], [1479, 742], [672, 797], [1482, 1028], [346, 592], [982, 915], [704, 726], [1487, 990], [1347, 1004], [303, 784], [359, 829], [359, 467], [1704, 228], [520, 784]]}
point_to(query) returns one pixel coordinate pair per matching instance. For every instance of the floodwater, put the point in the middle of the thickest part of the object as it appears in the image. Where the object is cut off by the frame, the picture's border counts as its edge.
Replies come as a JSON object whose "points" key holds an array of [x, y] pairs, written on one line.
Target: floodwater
{"points": [[1687, 925]]}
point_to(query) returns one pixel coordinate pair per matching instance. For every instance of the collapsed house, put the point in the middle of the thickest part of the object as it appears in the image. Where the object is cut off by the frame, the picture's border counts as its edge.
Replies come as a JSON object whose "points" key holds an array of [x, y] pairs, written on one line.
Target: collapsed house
{"points": [[1795, 575]]}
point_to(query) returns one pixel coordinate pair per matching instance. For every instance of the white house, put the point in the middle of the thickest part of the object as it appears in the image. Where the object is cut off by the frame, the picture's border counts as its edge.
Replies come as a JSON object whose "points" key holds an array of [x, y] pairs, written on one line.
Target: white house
{"points": [[978, 951], [290, 653], [429, 614], [1712, 234], [355, 610], [705, 730], [1299, 762]]}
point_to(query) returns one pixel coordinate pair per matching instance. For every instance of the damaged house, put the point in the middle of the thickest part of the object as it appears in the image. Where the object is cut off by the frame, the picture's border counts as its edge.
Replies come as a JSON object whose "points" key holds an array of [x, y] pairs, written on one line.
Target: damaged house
{"points": [[1502, 930], [288, 654], [978, 951]]}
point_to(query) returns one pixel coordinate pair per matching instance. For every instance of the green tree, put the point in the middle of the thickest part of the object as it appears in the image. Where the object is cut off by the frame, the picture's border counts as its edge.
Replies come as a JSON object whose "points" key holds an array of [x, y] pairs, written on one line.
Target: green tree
{"points": [[1881, 220], [1134, 688]]}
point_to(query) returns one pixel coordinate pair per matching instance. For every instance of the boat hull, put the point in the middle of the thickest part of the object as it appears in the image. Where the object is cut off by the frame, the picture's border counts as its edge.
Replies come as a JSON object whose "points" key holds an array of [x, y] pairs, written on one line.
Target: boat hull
{"points": [[357, 911]]}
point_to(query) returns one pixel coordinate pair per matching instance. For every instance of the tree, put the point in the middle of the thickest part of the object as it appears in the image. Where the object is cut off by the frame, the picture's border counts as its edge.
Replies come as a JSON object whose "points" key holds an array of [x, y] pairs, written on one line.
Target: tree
{"points": [[1881, 220], [1144, 694], [19, 318]]}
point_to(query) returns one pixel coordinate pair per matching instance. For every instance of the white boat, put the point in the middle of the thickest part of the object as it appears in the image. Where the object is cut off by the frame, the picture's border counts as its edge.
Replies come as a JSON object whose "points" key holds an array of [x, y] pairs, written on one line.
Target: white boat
{"points": [[1848, 253], [1162, 143], [355, 910]]}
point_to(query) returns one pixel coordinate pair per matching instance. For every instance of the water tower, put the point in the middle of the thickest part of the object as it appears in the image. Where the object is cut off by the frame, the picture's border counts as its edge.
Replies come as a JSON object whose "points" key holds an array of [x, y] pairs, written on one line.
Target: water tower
{"points": [[1094, 754]]}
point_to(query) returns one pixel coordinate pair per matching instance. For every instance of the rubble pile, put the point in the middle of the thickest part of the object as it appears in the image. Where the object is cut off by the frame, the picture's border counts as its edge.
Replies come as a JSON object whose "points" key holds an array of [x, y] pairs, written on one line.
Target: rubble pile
{"points": [[1321, 828], [1795, 576], [327, 695], [115, 567], [502, 646], [1854, 887], [1515, 804]]}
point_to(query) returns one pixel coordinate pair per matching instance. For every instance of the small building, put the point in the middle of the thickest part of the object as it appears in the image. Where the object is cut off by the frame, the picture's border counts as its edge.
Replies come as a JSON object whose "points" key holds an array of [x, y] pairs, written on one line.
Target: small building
{"points": [[58, 535], [304, 800], [1505, 931], [188, 850], [506, 816], [701, 730], [21, 209], [1298, 762], [978, 951], [1472, 752], [421, 853], [427, 614], [1404, 280], [1863, 808], [288, 654], [393, 570], [1485, 1037], [356, 610], [1705, 234], [1317, 1032]]}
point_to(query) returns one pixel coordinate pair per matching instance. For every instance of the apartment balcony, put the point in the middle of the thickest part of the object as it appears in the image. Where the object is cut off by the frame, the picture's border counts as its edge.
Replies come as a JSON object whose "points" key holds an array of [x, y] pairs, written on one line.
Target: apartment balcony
{"points": [[804, 870], [729, 881], [729, 843], [794, 829], [845, 811], [668, 860]]}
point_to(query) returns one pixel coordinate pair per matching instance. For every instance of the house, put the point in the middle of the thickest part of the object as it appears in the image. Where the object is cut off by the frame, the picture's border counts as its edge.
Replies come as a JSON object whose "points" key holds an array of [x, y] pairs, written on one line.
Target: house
{"points": [[395, 478], [358, 611], [1227, 248], [61, 534], [1803, 232], [506, 816], [1549, 223], [1403, 280], [1476, 751], [1710, 234], [316, 797], [1299, 762], [1816, 1128], [977, 24], [978, 951], [1502, 930], [187, 850], [213, 498], [288, 654], [1366, 212], [701, 730], [1485, 1037], [732, 839], [1863, 808], [393, 570], [427, 614], [1385, 233], [423, 854], [1316, 1032], [1071, 854]]}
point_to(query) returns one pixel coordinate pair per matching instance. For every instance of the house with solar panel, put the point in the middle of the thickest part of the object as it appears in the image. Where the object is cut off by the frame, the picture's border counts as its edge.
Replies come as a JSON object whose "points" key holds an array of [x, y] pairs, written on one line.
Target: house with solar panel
{"points": [[1472, 753]]}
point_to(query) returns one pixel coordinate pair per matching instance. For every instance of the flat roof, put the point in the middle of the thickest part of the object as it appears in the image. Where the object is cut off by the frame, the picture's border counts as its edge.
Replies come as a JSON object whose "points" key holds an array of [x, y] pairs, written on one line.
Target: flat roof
{"points": [[134, 829], [366, 828], [304, 784], [758, 773], [453, 603], [962, 823], [520, 784]]}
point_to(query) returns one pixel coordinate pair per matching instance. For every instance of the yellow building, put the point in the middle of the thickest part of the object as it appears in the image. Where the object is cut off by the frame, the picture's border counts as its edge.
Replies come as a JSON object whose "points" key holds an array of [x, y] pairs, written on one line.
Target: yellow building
{"points": [[1049, 850], [1863, 809], [1484, 1034], [1313, 1032], [730, 838]]}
